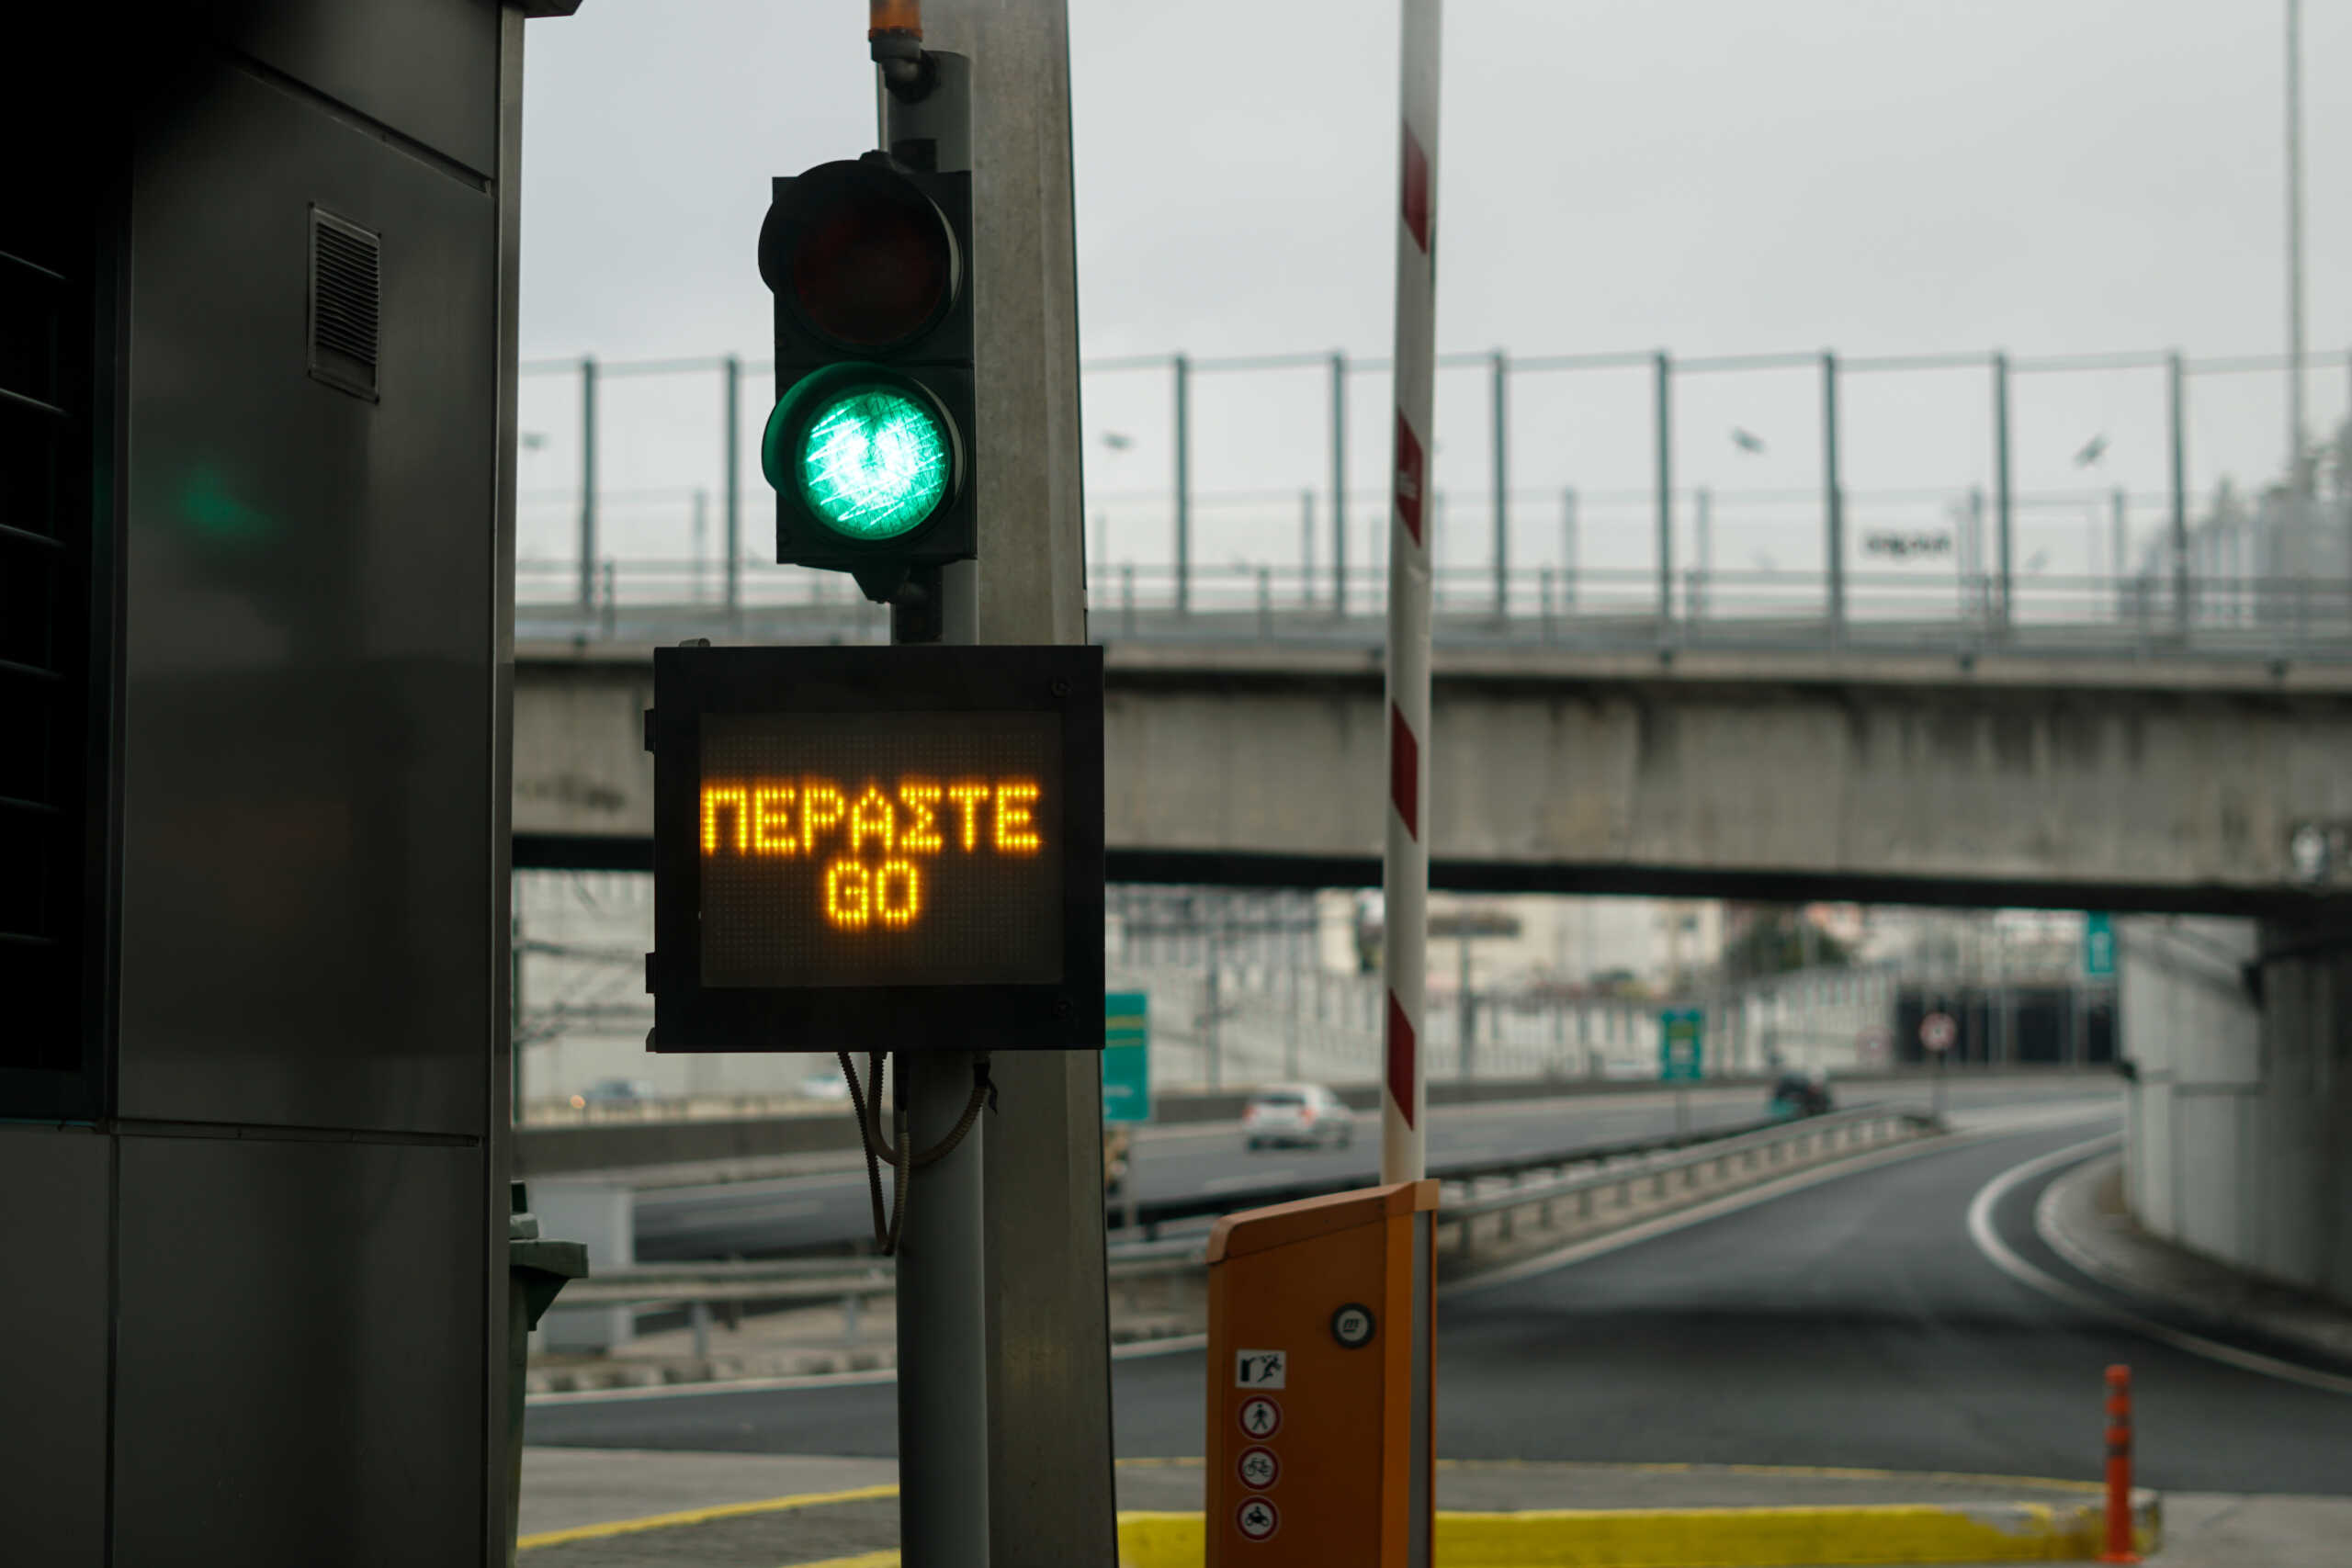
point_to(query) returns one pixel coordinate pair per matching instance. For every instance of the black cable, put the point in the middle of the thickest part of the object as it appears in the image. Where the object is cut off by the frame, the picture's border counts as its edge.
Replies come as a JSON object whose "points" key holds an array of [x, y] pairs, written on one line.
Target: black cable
{"points": [[899, 1115], [867, 1105], [983, 1095], [857, 1101]]}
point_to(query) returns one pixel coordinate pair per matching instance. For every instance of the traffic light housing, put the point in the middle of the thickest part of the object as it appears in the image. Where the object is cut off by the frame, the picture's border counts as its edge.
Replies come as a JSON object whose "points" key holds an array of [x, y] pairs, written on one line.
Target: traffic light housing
{"points": [[870, 445]]}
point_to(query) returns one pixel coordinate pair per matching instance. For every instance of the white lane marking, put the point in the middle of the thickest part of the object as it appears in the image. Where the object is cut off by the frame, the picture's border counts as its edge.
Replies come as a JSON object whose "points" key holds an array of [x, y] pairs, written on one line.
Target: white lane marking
{"points": [[1249, 1179], [2005, 1258], [1732, 1203]]}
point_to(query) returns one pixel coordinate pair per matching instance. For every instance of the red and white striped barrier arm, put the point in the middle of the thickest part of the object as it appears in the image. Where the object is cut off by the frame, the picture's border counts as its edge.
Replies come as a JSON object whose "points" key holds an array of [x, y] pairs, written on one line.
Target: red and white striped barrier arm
{"points": [[1404, 1137]]}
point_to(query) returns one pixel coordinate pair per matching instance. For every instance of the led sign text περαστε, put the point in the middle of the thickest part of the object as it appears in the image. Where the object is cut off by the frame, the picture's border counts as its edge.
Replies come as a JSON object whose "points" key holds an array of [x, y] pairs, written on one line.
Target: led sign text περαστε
{"points": [[879, 849], [895, 830]]}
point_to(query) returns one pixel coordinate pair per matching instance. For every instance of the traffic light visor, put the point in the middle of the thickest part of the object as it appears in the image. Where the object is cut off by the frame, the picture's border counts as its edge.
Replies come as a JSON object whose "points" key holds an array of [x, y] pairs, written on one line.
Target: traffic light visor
{"points": [[861, 255], [871, 458]]}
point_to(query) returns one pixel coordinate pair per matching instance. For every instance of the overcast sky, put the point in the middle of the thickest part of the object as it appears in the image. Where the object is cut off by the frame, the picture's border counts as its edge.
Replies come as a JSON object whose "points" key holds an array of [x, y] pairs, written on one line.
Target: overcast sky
{"points": [[1707, 177]]}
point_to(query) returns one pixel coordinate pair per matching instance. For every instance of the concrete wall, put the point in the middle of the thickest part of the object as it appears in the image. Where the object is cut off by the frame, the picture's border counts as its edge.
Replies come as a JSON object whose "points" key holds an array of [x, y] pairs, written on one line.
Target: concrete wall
{"points": [[2240, 1143], [2122, 785]]}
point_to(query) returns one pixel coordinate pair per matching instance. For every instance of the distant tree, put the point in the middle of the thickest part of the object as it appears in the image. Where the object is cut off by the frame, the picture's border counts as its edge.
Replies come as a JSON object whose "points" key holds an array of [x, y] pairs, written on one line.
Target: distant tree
{"points": [[1619, 984], [1771, 939]]}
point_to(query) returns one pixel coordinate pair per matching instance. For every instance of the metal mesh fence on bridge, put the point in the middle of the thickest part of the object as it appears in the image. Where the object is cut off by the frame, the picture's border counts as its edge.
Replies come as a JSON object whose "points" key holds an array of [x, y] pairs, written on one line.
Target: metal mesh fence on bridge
{"points": [[2130, 503]]}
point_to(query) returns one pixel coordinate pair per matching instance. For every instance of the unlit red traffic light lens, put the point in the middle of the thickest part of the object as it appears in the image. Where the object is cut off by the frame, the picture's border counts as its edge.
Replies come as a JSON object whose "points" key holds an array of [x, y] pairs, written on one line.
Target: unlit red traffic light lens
{"points": [[875, 463], [871, 274]]}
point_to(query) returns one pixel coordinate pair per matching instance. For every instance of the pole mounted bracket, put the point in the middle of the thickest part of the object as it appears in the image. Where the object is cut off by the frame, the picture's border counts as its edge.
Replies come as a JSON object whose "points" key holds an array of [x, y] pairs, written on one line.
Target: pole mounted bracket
{"points": [[908, 69], [917, 604]]}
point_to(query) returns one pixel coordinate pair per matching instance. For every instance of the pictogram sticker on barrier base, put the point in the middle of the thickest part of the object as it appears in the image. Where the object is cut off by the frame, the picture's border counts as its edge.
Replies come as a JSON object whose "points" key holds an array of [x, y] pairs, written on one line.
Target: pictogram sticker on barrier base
{"points": [[1257, 1468], [1260, 1418], [1257, 1519], [1260, 1369]]}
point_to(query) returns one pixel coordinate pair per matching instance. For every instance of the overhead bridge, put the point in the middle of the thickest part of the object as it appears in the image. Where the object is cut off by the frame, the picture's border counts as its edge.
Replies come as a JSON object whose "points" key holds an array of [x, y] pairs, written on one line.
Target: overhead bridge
{"points": [[2104, 779]]}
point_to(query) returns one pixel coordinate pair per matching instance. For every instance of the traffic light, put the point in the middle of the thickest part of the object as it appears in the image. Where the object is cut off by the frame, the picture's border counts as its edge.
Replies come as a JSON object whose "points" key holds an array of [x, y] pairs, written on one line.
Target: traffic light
{"points": [[869, 448]]}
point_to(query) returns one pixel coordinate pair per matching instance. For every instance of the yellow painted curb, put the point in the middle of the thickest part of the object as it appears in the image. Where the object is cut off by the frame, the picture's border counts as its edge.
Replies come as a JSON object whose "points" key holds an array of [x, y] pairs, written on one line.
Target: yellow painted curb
{"points": [[1718, 1537], [702, 1516], [1595, 1538]]}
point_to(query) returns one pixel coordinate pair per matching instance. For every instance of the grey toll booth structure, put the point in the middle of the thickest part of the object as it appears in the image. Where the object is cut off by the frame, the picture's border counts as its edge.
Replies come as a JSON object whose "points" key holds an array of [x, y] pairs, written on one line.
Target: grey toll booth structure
{"points": [[257, 290]]}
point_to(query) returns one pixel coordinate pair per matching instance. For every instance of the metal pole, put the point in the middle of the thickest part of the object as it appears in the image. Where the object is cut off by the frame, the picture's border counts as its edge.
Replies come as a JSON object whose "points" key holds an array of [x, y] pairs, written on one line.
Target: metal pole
{"points": [[701, 529], [941, 1324], [2119, 546], [1306, 545], [1133, 1180], [1184, 369], [2005, 1022], [1501, 419], [1833, 498], [1971, 551], [1338, 486], [734, 489], [1702, 528], [1215, 1022], [2003, 509], [1405, 862], [1662, 371], [2298, 471], [946, 1453], [2176, 434], [587, 487], [1466, 1011], [1568, 548]]}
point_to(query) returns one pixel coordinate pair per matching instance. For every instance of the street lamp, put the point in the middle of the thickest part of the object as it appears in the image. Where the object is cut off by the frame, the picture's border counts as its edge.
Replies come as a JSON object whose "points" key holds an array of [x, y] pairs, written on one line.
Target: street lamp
{"points": [[2298, 469]]}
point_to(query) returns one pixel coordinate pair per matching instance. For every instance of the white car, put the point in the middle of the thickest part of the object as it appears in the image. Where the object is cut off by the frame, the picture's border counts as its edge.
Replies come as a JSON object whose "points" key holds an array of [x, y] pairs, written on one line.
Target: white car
{"points": [[826, 1083], [1297, 1113]]}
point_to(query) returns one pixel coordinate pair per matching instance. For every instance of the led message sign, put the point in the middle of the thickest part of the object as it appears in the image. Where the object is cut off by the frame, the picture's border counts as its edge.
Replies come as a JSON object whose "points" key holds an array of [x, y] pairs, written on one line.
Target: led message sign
{"points": [[877, 849]]}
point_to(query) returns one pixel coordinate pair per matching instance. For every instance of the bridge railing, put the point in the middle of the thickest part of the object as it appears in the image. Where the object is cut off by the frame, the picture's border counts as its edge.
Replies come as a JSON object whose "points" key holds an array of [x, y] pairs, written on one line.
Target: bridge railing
{"points": [[651, 602], [1634, 497]]}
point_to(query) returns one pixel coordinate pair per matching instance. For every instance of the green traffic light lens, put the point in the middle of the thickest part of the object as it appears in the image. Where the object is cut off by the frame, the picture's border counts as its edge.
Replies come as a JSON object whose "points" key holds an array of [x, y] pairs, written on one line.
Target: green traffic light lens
{"points": [[874, 462]]}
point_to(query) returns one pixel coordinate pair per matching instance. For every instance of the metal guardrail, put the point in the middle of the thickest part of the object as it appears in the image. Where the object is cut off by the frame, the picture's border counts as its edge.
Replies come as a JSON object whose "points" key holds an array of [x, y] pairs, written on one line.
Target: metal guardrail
{"points": [[1150, 1215], [1757, 1149], [1657, 1161]]}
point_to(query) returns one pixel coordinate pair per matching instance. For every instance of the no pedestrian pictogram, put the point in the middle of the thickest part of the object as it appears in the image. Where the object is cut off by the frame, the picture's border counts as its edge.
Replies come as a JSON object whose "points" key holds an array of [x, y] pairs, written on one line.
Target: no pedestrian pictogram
{"points": [[1260, 1418]]}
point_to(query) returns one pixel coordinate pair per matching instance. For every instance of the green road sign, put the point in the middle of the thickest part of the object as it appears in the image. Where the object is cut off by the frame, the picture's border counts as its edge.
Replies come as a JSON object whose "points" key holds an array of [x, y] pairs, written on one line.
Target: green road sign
{"points": [[2098, 945], [1126, 1056], [1681, 1044]]}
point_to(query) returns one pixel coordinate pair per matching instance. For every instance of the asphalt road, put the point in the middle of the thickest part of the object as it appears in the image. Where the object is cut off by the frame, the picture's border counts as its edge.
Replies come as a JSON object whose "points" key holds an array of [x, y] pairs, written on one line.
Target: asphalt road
{"points": [[1852, 1322], [755, 1219]]}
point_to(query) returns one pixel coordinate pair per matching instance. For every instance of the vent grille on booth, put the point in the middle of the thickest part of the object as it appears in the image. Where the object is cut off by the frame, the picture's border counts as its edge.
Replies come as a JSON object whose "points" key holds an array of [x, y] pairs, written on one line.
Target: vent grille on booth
{"points": [[346, 299]]}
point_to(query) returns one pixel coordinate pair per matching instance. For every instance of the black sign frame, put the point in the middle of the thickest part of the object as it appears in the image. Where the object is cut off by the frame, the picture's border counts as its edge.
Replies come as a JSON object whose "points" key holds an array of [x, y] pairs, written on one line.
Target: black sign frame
{"points": [[1065, 679]]}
